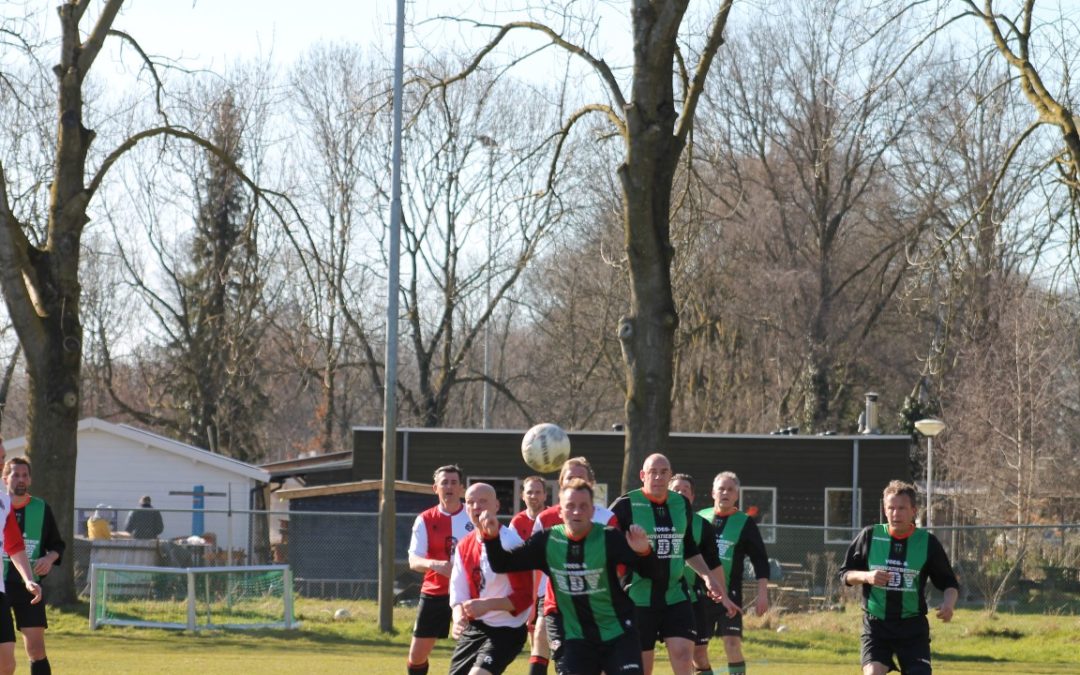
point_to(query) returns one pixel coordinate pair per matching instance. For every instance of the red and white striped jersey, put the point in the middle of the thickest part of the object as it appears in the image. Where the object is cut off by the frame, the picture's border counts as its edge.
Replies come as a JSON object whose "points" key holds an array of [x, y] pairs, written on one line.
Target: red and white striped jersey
{"points": [[435, 535], [473, 579]]}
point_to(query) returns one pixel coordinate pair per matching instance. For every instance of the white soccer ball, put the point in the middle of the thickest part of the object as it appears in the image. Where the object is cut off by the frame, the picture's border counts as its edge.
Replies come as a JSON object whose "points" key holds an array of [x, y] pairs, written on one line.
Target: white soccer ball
{"points": [[545, 447], [342, 614]]}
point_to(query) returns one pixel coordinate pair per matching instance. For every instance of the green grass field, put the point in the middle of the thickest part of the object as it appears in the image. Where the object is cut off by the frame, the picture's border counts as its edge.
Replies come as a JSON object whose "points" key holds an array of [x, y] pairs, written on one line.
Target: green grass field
{"points": [[824, 643]]}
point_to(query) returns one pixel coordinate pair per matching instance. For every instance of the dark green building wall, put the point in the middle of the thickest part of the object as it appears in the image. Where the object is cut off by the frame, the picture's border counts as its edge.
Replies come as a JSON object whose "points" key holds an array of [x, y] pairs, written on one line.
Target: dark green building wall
{"points": [[799, 467]]}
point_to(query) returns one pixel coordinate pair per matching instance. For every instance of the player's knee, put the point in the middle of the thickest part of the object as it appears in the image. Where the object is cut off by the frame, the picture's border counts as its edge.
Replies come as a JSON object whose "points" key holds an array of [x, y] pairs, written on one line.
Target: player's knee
{"points": [[34, 641], [875, 668]]}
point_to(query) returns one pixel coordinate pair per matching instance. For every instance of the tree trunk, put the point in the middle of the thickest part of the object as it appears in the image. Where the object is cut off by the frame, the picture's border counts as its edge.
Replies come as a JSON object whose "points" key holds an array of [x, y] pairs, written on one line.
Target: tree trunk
{"points": [[52, 444], [647, 333]]}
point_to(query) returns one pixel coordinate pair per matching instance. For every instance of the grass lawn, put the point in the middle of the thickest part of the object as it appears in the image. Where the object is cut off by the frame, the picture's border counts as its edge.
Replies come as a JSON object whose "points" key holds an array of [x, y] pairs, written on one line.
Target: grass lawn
{"points": [[814, 644]]}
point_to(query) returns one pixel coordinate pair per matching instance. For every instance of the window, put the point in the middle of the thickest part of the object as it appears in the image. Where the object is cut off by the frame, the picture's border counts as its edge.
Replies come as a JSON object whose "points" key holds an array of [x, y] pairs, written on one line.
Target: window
{"points": [[760, 504], [838, 525], [507, 491]]}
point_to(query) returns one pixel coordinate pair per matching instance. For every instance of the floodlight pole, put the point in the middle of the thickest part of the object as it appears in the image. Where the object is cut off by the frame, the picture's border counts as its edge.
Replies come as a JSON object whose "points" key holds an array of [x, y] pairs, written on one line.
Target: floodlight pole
{"points": [[387, 506], [929, 427], [491, 144]]}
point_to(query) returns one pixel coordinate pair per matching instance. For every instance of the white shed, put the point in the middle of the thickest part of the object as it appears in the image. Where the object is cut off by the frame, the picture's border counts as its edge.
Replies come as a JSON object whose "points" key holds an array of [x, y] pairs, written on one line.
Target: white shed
{"points": [[118, 463]]}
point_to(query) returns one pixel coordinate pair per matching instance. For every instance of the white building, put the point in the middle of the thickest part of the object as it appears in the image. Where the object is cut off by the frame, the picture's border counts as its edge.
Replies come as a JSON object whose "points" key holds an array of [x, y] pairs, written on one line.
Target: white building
{"points": [[118, 463]]}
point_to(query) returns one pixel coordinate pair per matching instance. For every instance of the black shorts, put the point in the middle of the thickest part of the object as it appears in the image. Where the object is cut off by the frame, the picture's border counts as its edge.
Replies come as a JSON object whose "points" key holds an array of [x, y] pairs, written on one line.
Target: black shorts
{"points": [[719, 624], [584, 657], [7, 628], [492, 648], [701, 619], [537, 613], [908, 639], [660, 623], [26, 615], [433, 617]]}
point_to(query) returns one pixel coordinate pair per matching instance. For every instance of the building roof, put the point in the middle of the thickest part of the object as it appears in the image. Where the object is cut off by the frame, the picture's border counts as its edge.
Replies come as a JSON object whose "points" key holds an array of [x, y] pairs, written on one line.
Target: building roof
{"points": [[348, 488], [158, 442]]}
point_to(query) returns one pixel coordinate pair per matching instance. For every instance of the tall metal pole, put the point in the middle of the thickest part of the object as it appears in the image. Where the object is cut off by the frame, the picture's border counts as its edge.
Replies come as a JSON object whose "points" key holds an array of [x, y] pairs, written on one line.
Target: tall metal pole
{"points": [[929, 427], [489, 143], [929, 481], [387, 506]]}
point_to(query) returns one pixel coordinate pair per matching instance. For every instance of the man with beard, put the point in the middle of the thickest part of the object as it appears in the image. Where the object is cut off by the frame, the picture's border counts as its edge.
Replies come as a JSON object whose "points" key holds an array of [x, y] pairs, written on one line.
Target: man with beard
{"points": [[44, 546]]}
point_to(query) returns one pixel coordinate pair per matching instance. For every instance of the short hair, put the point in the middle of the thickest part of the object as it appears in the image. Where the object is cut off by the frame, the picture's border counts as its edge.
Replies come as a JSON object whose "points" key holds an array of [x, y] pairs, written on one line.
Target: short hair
{"points": [[576, 461], [899, 487], [449, 468], [578, 484], [726, 474], [9, 466], [683, 476], [529, 479]]}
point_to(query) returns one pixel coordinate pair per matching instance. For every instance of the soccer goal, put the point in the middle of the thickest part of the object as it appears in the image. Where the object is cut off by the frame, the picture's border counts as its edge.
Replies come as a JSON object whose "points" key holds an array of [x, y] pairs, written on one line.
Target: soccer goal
{"points": [[191, 598]]}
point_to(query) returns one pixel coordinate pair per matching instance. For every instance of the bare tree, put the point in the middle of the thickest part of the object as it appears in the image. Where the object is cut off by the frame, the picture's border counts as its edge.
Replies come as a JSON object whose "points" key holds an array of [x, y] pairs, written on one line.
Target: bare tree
{"points": [[1039, 44], [654, 120], [800, 155], [39, 259], [479, 208], [336, 95]]}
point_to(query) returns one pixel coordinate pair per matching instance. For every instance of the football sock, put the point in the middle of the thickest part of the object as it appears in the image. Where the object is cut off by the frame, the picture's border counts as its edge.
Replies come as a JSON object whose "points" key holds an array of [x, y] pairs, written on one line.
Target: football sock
{"points": [[41, 667], [705, 672], [737, 668], [418, 668], [538, 665]]}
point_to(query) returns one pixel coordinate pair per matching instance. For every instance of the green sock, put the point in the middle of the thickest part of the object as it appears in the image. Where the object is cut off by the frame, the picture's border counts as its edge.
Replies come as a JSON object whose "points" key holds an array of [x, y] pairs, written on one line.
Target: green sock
{"points": [[737, 668]]}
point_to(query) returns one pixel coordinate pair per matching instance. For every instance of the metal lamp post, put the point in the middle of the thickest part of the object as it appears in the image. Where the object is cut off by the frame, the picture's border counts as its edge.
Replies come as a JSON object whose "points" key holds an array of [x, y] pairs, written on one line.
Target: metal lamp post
{"points": [[929, 427], [491, 144]]}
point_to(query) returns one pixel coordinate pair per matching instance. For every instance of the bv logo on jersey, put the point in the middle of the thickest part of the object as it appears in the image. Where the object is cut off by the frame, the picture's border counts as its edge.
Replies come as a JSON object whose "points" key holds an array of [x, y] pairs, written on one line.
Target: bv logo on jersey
{"points": [[668, 542]]}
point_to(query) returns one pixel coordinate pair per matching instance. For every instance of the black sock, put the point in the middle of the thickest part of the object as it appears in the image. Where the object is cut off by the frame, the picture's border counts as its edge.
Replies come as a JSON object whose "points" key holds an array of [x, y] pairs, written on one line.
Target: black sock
{"points": [[418, 669], [737, 668], [41, 667], [538, 665]]}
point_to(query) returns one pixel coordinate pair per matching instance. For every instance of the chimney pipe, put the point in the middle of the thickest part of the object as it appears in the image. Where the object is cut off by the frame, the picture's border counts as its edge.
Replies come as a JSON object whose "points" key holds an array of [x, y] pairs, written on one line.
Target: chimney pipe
{"points": [[870, 422]]}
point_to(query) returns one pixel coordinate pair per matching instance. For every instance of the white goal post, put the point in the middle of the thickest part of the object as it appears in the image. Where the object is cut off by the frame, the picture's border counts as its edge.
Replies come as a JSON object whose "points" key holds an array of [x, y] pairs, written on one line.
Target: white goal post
{"points": [[191, 598]]}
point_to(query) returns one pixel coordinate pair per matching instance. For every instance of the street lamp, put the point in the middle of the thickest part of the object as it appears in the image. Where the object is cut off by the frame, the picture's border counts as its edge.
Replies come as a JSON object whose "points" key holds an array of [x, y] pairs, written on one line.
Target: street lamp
{"points": [[492, 145], [929, 427]]}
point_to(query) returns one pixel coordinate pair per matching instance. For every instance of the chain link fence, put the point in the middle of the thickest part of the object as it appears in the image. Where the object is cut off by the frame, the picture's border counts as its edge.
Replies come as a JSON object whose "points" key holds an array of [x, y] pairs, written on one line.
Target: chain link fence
{"points": [[335, 555]]}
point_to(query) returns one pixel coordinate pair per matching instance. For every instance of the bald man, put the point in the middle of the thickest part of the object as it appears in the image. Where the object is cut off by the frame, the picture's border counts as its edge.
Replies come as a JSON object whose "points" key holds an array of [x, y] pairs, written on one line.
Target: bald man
{"points": [[664, 610], [489, 609]]}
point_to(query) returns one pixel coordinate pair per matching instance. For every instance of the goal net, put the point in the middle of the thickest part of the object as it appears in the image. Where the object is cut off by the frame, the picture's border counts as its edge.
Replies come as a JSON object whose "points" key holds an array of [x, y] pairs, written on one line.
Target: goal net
{"points": [[191, 598]]}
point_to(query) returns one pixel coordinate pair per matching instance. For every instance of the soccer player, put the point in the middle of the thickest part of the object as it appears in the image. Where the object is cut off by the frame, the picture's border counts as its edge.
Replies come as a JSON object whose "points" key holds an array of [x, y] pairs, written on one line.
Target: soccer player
{"points": [[892, 562], [581, 559], [534, 494], [44, 546], [435, 535], [663, 606], [547, 632], [490, 609], [737, 536], [702, 532], [11, 541]]}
